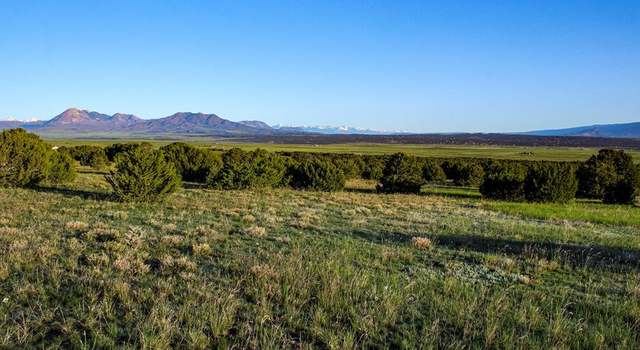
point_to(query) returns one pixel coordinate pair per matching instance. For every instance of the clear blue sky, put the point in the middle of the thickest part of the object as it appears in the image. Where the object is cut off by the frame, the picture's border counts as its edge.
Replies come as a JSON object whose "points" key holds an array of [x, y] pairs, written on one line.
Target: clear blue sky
{"points": [[411, 65]]}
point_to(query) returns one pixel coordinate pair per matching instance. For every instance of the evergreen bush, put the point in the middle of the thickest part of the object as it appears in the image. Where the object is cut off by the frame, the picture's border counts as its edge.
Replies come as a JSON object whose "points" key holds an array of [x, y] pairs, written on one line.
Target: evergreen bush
{"points": [[551, 182], [317, 175], [504, 181], [255, 169], [61, 167], [432, 172], [142, 175], [24, 158], [193, 164], [402, 174]]}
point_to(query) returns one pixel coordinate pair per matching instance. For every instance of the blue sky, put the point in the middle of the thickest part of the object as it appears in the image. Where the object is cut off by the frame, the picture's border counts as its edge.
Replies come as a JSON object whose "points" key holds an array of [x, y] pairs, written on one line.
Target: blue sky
{"points": [[410, 65]]}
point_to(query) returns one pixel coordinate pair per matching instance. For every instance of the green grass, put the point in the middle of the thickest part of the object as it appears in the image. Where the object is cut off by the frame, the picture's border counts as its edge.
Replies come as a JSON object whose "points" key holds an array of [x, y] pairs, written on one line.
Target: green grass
{"points": [[443, 151], [575, 211], [288, 269]]}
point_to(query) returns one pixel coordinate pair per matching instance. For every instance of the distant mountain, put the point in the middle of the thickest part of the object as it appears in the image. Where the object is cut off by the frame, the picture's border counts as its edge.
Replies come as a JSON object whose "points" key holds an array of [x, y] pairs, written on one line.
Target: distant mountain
{"points": [[626, 130], [333, 130], [196, 123], [256, 124], [74, 119], [77, 121]]}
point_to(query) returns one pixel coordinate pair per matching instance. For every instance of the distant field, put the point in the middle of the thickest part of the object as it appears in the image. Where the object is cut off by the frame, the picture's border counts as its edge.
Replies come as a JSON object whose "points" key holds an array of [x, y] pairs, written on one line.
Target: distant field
{"points": [[479, 151]]}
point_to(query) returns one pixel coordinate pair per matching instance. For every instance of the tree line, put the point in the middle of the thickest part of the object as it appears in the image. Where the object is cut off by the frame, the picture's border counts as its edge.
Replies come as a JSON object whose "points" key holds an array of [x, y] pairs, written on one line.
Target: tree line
{"points": [[142, 173]]}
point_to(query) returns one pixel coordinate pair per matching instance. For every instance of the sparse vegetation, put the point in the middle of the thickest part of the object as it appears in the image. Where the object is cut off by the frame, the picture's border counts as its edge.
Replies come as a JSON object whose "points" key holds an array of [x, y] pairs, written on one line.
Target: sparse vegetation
{"points": [[254, 269]]}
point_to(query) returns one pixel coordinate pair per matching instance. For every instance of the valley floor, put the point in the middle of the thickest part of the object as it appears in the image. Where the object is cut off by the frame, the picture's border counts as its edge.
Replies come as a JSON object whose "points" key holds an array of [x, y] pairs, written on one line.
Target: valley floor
{"points": [[289, 269]]}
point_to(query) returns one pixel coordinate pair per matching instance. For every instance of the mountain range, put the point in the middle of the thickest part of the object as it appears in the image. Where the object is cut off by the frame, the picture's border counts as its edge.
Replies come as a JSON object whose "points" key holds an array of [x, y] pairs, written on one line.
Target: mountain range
{"points": [[626, 130], [75, 121]]}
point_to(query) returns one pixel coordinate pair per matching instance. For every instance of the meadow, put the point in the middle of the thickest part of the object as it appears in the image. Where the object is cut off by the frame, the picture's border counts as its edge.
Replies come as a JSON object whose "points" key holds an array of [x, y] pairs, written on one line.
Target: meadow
{"points": [[437, 151], [278, 268]]}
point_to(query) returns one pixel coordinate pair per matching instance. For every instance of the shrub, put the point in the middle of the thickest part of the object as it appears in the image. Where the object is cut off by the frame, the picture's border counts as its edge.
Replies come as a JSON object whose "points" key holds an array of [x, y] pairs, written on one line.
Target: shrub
{"points": [[402, 174], [193, 164], [504, 180], [92, 156], [465, 173], [432, 172], [61, 167], [373, 167], [113, 150], [351, 165], [317, 175], [622, 192], [24, 158], [551, 182], [142, 175], [609, 175], [256, 169]]}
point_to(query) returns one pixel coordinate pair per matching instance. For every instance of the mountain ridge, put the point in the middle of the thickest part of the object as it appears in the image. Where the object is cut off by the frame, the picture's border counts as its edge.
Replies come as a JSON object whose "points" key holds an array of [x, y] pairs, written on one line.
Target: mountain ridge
{"points": [[75, 120], [83, 121], [617, 130]]}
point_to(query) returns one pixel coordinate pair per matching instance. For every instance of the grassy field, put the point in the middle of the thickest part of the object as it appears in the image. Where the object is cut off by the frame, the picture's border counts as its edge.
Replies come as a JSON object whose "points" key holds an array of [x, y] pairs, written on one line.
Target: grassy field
{"points": [[288, 269], [476, 151]]}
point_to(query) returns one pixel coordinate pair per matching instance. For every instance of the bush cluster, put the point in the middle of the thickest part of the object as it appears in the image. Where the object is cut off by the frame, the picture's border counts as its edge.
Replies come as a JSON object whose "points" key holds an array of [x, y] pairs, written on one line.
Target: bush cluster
{"points": [[464, 172], [432, 172], [504, 181], [315, 174], [114, 149], [373, 167], [92, 156], [25, 160], [145, 174], [610, 176], [193, 164], [254, 169]]}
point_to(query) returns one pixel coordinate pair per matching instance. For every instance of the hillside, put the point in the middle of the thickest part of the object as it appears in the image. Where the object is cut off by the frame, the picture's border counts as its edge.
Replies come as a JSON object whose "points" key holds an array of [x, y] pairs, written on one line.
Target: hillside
{"points": [[626, 130]]}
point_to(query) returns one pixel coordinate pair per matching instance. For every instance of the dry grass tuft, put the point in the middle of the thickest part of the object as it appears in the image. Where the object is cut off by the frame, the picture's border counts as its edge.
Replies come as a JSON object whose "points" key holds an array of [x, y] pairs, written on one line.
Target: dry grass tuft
{"points": [[423, 243], [256, 231], [249, 218], [173, 240], [524, 279], [169, 228], [201, 249], [76, 226], [9, 231]]}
